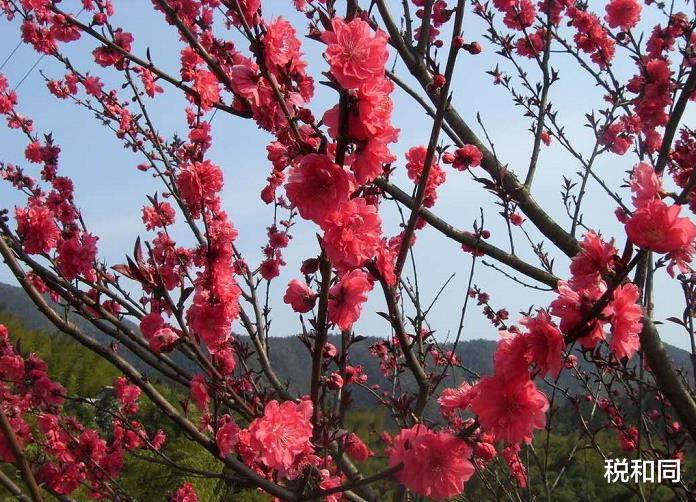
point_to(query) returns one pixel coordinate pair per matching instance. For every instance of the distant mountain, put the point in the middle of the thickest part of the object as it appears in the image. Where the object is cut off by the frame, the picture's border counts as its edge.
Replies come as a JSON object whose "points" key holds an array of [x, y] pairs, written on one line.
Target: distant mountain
{"points": [[290, 357]]}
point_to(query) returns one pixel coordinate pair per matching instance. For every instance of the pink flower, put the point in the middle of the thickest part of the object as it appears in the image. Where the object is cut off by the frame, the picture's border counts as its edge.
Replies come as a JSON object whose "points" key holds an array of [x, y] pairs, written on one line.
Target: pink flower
{"points": [[645, 185], [212, 320], [369, 159], [658, 227], [282, 48], [466, 157], [352, 234], [163, 340], [370, 117], [199, 391], [628, 439], [356, 448], [511, 358], [225, 360], [511, 455], [317, 187], [149, 83], [299, 296], [626, 320], [572, 306], [12, 367], [185, 493], [414, 166], [355, 52], [456, 399], [64, 478], [510, 408], [623, 13], [521, 15], [386, 261], [158, 216], [545, 343], [282, 434], [436, 464], [227, 435], [199, 184], [150, 323], [245, 79], [530, 46], [76, 255], [346, 298], [37, 228], [208, 88], [328, 481], [127, 394], [595, 259], [591, 37]]}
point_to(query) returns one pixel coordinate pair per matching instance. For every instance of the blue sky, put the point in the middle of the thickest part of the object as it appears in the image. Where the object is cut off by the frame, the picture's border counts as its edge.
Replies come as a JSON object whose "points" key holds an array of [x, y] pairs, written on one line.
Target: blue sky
{"points": [[111, 191]]}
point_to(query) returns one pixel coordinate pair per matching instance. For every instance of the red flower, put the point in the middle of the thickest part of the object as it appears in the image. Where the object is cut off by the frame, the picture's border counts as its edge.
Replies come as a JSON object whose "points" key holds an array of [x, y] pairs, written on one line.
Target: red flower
{"points": [[572, 306], [282, 434], [160, 216], [37, 228], [595, 259], [163, 340], [352, 234], [355, 52], [544, 343], [521, 15], [356, 448], [185, 493], [199, 391], [212, 320], [511, 358], [199, 184], [436, 464], [282, 48], [466, 157], [208, 88], [76, 255], [591, 37], [415, 164], [127, 394], [645, 185], [510, 408], [317, 187], [658, 227], [227, 435], [456, 399], [299, 296], [626, 320], [346, 298], [623, 14], [532, 45]]}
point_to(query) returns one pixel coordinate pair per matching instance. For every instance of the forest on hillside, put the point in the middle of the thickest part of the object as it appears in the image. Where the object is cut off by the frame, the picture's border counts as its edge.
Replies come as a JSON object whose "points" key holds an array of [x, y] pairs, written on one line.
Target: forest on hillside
{"points": [[88, 380]]}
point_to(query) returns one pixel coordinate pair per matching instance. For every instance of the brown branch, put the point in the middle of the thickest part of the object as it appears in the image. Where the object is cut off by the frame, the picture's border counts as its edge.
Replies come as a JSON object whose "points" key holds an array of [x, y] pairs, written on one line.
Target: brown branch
{"points": [[667, 378], [12, 488], [411, 359], [142, 63], [138, 379], [674, 120], [442, 105], [542, 104], [320, 334], [21, 458], [505, 178], [468, 238]]}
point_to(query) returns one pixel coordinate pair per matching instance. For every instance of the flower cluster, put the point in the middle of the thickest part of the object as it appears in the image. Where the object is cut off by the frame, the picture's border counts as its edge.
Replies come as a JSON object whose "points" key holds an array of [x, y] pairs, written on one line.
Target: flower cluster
{"points": [[435, 464], [72, 454]]}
